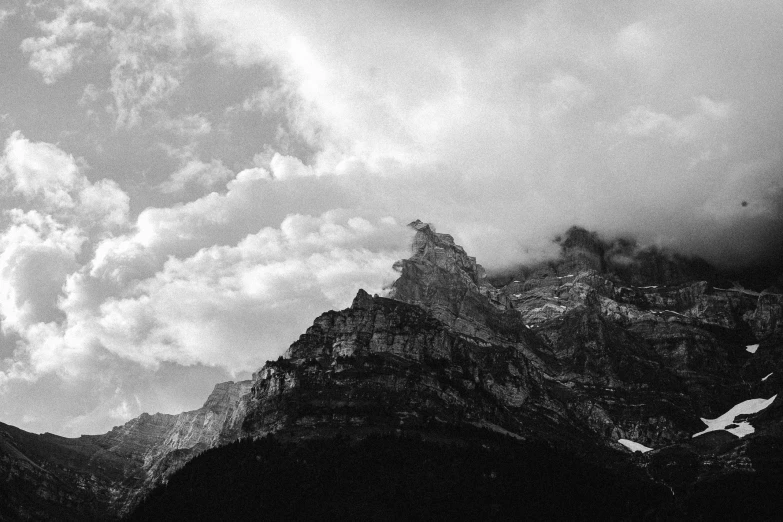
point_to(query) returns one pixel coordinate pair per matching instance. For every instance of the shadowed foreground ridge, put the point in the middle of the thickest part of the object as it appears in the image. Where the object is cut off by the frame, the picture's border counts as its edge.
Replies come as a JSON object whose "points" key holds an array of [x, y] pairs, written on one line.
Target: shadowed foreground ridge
{"points": [[570, 363]]}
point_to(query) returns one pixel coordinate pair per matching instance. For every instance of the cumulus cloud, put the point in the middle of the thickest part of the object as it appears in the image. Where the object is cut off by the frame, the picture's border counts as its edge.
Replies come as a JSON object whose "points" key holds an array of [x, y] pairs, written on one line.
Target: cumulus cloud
{"points": [[46, 234], [40, 169], [236, 305], [232, 305], [37, 255], [190, 284], [51, 180], [285, 167]]}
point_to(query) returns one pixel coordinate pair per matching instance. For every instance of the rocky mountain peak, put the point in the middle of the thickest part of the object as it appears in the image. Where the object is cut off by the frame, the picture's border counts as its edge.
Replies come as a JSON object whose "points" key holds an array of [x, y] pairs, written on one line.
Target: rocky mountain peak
{"points": [[576, 355], [430, 247], [362, 301], [442, 278]]}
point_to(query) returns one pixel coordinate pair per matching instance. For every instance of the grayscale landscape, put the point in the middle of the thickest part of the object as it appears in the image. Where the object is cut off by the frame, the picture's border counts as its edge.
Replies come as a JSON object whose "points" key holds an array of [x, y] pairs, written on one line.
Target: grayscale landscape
{"points": [[372, 260]]}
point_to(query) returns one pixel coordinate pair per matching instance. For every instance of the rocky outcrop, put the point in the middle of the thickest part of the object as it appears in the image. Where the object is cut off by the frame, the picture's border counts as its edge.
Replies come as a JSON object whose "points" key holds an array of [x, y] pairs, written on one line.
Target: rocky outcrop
{"points": [[383, 365], [440, 277], [154, 446], [103, 476]]}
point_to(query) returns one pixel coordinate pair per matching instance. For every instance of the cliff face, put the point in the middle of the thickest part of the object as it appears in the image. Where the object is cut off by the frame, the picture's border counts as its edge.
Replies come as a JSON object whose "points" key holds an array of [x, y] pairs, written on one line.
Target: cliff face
{"points": [[385, 365], [440, 277], [582, 357], [568, 354], [105, 475]]}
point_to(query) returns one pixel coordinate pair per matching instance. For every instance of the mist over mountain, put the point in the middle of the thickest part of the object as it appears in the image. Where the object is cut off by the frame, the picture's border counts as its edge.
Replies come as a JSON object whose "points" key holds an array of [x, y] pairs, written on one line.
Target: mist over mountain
{"points": [[625, 259]]}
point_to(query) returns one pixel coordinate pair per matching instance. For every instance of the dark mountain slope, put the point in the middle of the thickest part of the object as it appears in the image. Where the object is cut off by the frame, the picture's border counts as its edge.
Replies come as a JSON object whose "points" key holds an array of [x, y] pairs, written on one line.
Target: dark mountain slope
{"points": [[476, 475]]}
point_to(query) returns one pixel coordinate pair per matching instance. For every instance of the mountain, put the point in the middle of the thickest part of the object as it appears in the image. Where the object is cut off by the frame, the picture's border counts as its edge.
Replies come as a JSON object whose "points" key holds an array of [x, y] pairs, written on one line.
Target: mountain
{"points": [[611, 358], [48, 477]]}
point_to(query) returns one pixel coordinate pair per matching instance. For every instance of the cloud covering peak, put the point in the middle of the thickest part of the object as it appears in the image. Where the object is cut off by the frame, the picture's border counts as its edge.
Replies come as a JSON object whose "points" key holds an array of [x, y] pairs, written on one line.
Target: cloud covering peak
{"points": [[186, 184]]}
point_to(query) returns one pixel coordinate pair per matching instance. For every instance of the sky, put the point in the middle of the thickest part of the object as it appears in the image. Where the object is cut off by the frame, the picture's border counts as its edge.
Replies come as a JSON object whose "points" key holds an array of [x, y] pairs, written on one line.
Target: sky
{"points": [[186, 184]]}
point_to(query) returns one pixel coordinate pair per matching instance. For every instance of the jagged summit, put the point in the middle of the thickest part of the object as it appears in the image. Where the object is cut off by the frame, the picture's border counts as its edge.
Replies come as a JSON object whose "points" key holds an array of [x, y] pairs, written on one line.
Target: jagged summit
{"points": [[442, 278], [429, 246]]}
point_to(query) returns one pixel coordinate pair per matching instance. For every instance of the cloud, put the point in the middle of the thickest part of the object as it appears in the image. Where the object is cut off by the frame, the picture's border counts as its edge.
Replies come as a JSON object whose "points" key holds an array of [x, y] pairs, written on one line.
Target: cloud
{"points": [[52, 62], [4, 14], [139, 86], [589, 119], [191, 125], [286, 167], [232, 305], [55, 54], [714, 109], [213, 281], [642, 121], [40, 169], [37, 255], [535, 106], [261, 156], [563, 94], [46, 234], [205, 175], [638, 41], [51, 180], [144, 42]]}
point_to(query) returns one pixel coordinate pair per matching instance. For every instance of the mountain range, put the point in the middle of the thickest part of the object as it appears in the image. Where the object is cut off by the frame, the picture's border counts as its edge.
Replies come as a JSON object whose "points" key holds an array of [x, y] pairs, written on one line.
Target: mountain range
{"points": [[650, 371]]}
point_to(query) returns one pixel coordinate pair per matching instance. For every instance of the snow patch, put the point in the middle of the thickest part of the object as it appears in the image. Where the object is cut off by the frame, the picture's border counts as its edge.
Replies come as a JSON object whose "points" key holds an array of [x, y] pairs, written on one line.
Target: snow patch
{"points": [[744, 408], [673, 312], [767, 377], [634, 446], [752, 348], [742, 290]]}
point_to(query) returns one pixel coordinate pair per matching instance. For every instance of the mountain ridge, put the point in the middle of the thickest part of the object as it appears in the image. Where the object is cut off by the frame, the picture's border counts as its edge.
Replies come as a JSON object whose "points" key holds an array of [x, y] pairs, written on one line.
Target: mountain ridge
{"points": [[568, 355]]}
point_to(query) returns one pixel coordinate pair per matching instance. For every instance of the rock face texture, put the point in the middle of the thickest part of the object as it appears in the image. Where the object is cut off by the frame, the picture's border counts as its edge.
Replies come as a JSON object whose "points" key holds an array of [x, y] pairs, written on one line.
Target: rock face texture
{"points": [[583, 358], [48, 477], [384, 364], [578, 353]]}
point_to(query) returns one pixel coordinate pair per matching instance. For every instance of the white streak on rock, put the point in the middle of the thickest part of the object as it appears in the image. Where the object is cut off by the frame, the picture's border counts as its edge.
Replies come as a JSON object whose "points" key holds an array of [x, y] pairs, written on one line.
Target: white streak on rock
{"points": [[634, 446]]}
